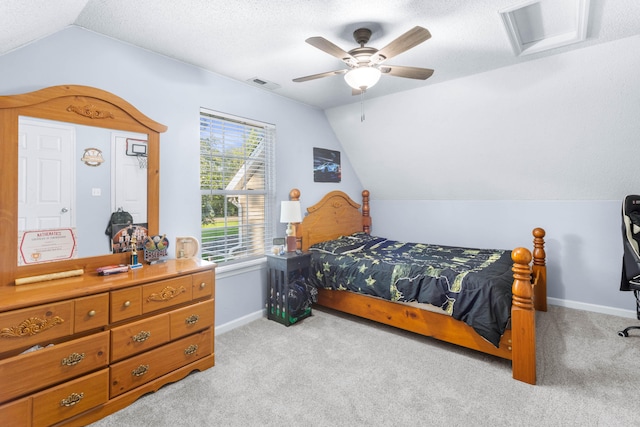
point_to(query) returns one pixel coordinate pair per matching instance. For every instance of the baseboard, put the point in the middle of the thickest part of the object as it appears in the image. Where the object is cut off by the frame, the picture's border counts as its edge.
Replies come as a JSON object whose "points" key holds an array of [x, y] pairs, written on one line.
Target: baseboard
{"points": [[631, 314], [236, 323]]}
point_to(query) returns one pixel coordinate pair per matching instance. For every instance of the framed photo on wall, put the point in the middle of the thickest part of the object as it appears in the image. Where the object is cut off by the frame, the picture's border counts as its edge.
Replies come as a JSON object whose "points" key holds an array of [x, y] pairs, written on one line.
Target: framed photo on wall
{"points": [[326, 165]]}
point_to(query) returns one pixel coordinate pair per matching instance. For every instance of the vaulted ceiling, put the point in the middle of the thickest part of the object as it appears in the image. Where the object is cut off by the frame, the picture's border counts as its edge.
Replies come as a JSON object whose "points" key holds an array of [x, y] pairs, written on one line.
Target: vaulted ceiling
{"points": [[250, 39]]}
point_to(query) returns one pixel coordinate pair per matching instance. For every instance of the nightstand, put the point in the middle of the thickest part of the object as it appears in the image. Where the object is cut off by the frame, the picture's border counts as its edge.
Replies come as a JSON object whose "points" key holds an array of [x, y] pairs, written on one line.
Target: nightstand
{"points": [[288, 300]]}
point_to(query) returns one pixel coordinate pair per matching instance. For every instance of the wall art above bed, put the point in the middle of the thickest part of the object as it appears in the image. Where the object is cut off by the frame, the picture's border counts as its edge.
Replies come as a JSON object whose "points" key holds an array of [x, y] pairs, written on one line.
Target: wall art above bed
{"points": [[326, 165]]}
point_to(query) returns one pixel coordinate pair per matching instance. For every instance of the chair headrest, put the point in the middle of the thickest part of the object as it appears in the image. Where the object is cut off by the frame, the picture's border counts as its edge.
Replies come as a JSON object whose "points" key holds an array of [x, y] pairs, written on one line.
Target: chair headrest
{"points": [[631, 204], [631, 222]]}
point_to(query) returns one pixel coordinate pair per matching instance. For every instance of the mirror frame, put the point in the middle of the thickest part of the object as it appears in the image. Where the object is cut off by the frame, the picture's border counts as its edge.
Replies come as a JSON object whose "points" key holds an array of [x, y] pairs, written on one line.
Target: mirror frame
{"points": [[82, 105]]}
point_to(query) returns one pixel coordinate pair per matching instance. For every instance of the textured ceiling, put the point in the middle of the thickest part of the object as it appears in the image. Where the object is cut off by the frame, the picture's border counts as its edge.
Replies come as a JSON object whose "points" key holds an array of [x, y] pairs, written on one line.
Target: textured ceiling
{"points": [[265, 38]]}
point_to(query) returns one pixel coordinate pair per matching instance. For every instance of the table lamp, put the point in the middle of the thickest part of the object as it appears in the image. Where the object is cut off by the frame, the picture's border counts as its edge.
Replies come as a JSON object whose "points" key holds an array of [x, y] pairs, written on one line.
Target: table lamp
{"points": [[290, 213]]}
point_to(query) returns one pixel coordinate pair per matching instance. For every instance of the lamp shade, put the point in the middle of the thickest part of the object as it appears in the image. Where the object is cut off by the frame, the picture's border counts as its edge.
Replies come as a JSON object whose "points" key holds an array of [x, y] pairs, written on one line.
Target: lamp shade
{"points": [[290, 212], [362, 78]]}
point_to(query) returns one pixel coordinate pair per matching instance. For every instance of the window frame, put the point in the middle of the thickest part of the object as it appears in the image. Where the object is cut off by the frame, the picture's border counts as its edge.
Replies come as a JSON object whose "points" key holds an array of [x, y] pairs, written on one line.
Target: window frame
{"points": [[254, 238]]}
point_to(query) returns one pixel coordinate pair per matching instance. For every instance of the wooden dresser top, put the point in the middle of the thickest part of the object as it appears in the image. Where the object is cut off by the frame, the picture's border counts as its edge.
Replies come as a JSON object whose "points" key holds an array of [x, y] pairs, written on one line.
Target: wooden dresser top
{"points": [[13, 297]]}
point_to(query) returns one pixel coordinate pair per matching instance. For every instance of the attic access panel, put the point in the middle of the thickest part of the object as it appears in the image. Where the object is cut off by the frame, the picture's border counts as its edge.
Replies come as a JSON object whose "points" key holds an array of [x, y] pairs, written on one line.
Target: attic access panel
{"points": [[540, 25]]}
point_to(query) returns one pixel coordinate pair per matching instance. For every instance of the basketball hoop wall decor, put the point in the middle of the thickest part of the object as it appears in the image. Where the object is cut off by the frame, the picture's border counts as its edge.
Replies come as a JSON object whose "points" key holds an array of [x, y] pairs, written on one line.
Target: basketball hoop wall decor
{"points": [[138, 148]]}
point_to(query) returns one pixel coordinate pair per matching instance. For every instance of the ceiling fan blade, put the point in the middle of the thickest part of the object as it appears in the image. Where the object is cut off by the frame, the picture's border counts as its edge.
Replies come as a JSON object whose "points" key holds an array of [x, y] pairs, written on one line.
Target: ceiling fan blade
{"points": [[410, 39], [333, 50], [407, 72], [320, 75]]}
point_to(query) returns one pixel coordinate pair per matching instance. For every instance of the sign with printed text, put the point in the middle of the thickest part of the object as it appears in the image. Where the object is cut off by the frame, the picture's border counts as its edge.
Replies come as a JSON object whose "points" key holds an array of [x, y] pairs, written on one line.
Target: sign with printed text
{"points": [[39, 246]]}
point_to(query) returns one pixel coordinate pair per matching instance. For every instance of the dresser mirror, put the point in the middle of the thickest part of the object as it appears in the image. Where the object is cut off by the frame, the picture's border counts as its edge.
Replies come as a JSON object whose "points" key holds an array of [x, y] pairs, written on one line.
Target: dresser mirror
{"points": [[111, 162]]}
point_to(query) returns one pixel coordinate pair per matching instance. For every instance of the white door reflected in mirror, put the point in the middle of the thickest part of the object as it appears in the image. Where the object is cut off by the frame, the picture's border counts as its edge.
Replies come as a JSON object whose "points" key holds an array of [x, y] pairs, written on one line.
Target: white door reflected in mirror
{"points": [[46, 178], [129, 175], [57, 190]]}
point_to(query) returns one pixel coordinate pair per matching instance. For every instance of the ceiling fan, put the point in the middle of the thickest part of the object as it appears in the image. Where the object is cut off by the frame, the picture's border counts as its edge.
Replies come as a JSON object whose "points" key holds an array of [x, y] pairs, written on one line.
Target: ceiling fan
{"points": [[366, 64]]}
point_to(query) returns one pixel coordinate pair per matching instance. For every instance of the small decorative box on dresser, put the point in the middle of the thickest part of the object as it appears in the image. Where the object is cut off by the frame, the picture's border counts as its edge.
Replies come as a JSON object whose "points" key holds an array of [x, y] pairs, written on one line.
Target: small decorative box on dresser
{"points": [[102, 341]]}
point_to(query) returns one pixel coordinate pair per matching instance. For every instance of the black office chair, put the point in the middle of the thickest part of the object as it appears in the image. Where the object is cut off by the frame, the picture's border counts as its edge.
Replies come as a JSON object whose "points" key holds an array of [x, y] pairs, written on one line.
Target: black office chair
{"points": [[631, 259]]}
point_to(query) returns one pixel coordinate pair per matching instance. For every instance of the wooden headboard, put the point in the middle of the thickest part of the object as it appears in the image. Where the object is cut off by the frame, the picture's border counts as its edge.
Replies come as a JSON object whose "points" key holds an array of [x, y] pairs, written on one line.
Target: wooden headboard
{"points": [[333, 216]]}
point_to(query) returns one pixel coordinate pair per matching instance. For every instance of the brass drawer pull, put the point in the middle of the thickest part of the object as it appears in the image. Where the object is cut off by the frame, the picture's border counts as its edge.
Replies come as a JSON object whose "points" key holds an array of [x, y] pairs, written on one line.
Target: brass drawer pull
{"points": [[192, 320], [191, 349], [203, 285], [142, 336], [72, 399], [73, 359], [91, 313], [127, 303], [140, 370]]}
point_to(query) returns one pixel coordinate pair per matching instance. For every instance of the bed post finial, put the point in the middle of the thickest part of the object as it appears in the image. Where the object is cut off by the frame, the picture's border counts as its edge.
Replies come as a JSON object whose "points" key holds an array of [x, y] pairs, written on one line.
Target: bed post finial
{"points": [[294, 196], [523, 321], [539, 270], [522, 292], [539, 254], [366, 218]]}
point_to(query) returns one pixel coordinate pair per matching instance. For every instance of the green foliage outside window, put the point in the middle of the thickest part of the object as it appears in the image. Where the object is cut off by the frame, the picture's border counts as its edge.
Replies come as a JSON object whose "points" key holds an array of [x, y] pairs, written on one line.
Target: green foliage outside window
{"points": [[236, 160]]}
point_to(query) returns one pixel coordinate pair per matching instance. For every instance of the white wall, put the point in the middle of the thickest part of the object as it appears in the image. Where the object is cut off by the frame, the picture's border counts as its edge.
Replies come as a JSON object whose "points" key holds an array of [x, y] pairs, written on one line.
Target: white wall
{"points": [[564, 127], [481, 160], [583, 244], [172, 93]]}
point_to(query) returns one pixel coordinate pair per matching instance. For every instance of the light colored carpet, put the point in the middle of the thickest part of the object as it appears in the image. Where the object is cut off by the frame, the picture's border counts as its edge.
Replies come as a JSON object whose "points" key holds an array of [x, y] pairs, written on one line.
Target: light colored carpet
{"points": [[337, 370]]}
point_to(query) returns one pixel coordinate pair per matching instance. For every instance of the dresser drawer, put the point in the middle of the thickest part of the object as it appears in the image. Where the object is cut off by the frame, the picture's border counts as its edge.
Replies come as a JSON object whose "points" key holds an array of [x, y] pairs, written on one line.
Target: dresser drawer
{"points": [[38, 369], [166, 293], [148, 366], [16, 414], [203, 285], [91, 312], [126, 303], [21, 329], [190, 319], [71, 398], [136, 337]]}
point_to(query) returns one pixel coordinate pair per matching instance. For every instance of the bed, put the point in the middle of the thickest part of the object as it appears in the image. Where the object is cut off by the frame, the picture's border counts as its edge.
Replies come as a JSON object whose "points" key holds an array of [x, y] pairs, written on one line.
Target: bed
{"points": [[337, 229]]}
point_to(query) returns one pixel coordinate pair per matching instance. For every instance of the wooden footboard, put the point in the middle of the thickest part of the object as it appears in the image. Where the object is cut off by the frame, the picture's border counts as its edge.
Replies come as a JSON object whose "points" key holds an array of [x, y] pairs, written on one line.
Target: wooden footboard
{"points": [[336, 214]]}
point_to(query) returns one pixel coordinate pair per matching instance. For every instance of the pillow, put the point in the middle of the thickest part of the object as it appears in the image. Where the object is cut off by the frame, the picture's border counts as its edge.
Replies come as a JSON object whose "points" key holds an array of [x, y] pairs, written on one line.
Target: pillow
{"points": [[343, 244]]}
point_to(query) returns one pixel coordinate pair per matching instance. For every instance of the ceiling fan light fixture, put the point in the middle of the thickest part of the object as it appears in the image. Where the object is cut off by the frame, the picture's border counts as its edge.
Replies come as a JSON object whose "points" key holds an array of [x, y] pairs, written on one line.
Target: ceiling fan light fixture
{"points": [[362, 78]]}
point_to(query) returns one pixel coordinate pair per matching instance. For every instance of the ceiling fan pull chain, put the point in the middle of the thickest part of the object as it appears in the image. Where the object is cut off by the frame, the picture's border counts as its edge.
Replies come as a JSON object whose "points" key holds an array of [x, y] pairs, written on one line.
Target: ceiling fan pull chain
{"points": [[362, 106]]}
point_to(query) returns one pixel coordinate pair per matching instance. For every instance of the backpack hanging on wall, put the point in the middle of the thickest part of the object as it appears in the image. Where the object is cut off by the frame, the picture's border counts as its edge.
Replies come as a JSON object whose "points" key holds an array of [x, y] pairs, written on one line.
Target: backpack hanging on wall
{"points": [[118, 217]]}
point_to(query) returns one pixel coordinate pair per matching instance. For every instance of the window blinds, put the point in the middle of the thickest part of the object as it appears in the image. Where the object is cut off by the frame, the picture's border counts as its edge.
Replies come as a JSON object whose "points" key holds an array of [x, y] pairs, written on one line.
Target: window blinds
{"points": [[237, 180]]}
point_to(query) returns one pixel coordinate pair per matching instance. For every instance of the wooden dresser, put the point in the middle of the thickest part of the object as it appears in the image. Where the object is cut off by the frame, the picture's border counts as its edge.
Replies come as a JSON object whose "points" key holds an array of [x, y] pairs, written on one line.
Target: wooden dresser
{"points": [[106, 340]]}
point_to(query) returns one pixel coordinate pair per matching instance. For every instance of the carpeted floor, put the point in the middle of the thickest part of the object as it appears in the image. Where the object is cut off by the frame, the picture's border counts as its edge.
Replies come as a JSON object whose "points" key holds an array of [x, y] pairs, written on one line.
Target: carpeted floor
{"points": [[336, 370]]}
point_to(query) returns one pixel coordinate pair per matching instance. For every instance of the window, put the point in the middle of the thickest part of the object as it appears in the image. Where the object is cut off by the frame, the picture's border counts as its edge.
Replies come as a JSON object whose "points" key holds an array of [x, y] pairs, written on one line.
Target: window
{"points": [[237, 183]]}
